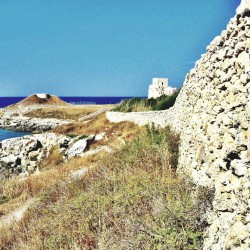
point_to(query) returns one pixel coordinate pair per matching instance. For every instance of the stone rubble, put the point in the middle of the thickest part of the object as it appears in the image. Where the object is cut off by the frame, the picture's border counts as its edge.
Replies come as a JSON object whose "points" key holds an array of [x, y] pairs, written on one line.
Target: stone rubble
{"points": [[21, 156]]}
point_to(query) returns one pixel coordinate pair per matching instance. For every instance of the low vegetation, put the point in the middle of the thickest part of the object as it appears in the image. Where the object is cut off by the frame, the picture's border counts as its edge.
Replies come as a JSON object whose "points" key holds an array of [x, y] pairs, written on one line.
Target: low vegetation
{"points": [[116, 133], [68, 112], [18, 190], [130, 199], [142, 104]]}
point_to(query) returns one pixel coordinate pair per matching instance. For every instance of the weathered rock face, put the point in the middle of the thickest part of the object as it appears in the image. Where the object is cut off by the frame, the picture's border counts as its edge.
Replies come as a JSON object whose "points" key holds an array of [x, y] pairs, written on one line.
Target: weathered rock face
{"points": [[22, 156], [212, 115], [78, 146], [27, 124]]}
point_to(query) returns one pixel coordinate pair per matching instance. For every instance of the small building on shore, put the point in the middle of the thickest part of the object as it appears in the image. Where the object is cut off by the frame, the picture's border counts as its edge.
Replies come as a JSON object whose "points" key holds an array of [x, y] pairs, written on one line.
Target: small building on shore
{"points": [[159, 87]]}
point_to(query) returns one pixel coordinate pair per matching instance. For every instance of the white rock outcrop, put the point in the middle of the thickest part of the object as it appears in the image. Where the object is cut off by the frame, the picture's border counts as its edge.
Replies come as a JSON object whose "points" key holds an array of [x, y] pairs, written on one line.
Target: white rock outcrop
{"points": [[77, 148], [43, 95], [21, 156]]}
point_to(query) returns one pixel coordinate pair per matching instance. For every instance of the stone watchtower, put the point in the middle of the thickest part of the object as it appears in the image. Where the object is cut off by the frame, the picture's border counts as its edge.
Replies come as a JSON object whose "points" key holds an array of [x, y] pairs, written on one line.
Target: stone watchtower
{"points": [[159, 87]]}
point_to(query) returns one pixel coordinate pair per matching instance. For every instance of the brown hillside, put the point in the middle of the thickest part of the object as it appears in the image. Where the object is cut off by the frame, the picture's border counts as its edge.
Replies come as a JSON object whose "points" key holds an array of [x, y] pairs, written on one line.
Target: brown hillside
{"points": [[35, 100]]}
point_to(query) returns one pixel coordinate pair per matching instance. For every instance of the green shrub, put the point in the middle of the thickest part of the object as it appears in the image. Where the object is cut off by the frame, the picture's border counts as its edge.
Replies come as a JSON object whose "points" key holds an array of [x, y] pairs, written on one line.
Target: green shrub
{"points": [[3, 199], [131, 105], [166, 102], [143, 104]]}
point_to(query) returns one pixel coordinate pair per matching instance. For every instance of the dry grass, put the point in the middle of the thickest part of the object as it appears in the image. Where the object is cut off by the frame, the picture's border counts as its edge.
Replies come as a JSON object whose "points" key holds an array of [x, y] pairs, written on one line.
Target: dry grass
{"points": [[34, 99], [19, 190], [129, 200], [65, 112], [115, 132], [94, 126], [53, 169]]}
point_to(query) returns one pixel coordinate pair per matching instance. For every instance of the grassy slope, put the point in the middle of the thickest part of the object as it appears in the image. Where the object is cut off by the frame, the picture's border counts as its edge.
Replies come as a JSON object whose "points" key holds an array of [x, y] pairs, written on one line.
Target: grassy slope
{"points": [[131, 199], [115, 132], [18, 190]]}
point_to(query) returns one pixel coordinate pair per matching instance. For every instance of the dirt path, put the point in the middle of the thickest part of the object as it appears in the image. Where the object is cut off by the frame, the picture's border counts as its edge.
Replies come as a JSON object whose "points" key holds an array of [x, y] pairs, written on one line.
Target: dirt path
{"points": [[16, 215]]}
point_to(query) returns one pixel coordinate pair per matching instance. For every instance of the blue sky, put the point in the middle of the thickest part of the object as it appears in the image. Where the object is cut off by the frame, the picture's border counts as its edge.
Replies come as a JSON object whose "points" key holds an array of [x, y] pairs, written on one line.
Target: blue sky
{"points": [[103, 47]]}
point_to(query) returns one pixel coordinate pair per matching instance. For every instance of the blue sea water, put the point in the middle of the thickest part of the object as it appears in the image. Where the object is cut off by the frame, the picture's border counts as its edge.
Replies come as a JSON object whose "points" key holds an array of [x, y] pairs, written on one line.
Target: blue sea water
{"points": [[7, 134], [5, 101]]}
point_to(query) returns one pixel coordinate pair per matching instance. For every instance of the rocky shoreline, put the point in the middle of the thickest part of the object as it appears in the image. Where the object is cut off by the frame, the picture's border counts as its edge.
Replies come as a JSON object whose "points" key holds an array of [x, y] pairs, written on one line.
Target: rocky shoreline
{"points": [[21, 156], [28, 124]]}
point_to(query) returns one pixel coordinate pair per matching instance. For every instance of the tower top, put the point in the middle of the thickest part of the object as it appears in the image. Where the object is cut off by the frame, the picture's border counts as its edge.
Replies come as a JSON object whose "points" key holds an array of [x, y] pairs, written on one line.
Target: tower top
{"points": [[244, 5]]}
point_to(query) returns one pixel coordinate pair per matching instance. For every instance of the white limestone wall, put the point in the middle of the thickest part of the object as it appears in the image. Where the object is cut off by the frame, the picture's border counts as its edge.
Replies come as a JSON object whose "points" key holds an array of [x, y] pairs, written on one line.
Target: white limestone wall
{"points": [[160, 118], [212, 115], [245, 4]]}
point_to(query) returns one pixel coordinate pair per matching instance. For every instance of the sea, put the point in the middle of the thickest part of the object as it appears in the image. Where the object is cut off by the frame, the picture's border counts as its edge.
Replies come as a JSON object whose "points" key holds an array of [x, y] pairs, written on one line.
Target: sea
{"points": [[6, 134], [77, 100]]}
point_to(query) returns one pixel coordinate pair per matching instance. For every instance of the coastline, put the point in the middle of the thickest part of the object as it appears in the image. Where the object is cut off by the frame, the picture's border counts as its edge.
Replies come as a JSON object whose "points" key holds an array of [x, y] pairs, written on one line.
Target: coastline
{"points": [[27, 124], [21, 155], [8, 134], [75, 100]]}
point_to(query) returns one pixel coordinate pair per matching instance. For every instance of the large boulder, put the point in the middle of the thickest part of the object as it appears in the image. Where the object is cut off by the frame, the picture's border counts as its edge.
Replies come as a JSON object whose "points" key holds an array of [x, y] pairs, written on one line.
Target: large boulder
{"points": [[78, 147]]}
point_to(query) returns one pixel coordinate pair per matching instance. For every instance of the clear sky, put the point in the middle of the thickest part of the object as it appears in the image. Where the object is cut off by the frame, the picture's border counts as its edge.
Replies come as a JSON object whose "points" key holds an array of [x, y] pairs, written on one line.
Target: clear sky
{"points": [[103, 47]]}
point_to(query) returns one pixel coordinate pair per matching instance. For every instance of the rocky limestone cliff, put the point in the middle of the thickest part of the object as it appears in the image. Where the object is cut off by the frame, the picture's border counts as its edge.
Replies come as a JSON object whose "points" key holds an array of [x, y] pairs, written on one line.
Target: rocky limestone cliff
{"points": [[212, 115]]}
